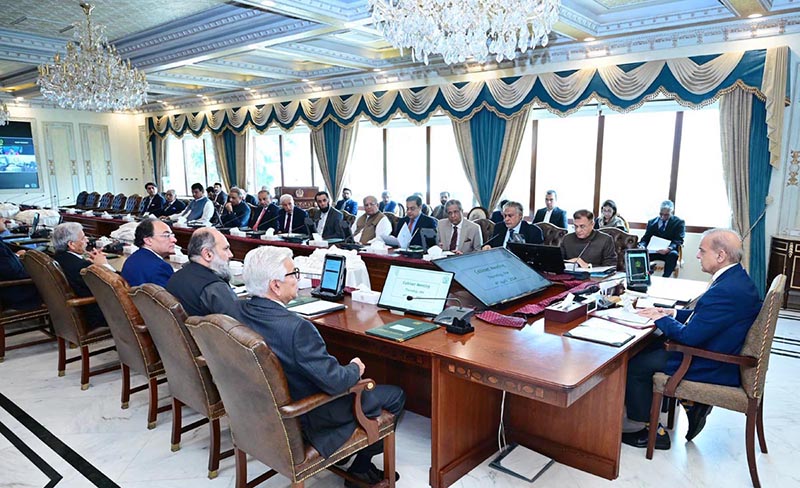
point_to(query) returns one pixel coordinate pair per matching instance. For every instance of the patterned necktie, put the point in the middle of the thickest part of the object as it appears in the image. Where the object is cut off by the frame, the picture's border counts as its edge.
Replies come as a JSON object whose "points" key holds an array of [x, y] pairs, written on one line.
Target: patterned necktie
{"points": [[454, 239], [260, 216]]}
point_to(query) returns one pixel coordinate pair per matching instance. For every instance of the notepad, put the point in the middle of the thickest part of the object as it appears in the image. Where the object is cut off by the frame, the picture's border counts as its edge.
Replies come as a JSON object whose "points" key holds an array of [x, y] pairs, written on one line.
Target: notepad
{"points": [[317, 307], [601, 332]]}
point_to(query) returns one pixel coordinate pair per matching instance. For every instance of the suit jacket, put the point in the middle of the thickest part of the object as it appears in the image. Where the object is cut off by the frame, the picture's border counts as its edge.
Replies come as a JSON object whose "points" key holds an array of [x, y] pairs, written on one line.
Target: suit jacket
{"points": [[173, 208], [153, 204], [531, 233], [349, 205], [497, 217], [309, 369], [238, 218], [145, 266], [21, 297], [72, 265], [333, 224], [674, 232], [423, 222], [268, 221], [251, 200], [298, 224], [557, 218], [439, 212], [470, 238], [719, 322], [389, 206], [221, 198]]}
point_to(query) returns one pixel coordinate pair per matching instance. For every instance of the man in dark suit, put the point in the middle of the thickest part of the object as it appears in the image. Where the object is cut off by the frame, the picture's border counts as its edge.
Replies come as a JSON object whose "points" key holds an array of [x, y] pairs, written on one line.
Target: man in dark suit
{"points": [[515, 229], [291, 219], [156, 242], [497, 215], [551, 213], [408, 228], [172, 206], [387, 204], [346, 203], [249, 198], [271, 278], [20, 297], [235, 213], [328, 220], [265, 215], [153, 202], [70, 244], [719, 322], [669, 227], [220, 198]]}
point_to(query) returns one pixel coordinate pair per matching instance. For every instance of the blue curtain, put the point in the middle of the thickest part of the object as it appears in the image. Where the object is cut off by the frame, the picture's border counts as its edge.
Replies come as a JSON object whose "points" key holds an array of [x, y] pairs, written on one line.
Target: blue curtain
{"points": [[332, 133], [230, 156], [759, 187], [488, 133]]}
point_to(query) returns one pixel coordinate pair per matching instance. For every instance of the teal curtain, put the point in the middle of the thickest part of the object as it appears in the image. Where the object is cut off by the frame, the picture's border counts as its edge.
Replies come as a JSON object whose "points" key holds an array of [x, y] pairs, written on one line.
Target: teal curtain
{"points": [[760, 170], [229, 138], [332, 133], [488, 133]]}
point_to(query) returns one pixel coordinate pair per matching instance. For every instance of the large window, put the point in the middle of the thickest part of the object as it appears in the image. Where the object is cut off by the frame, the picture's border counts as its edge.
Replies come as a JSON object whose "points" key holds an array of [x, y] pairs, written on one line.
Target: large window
{"points": [[277, 159], [265, 165], [190, 160], [297, 158], [406, 160], [447, 173], [364, 175]]}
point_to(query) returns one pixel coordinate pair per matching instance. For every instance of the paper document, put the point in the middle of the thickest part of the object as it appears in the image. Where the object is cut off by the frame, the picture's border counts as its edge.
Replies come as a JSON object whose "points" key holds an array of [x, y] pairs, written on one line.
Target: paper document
{"points": [[633, 318], [658, 243], [391, 241], [594, 269], [523, 463], [600, 331], [648, 302], [318, 307]]}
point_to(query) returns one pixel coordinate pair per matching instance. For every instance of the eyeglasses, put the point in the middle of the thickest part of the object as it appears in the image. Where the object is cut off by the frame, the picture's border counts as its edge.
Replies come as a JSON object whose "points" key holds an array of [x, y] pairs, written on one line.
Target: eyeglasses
{"points": [[165, 235], [295, 272]]}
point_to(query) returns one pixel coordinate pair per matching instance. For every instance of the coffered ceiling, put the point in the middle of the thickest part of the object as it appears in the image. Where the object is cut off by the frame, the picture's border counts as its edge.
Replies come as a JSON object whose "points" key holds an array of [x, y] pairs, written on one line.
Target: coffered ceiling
{"points": [[206, 52]]}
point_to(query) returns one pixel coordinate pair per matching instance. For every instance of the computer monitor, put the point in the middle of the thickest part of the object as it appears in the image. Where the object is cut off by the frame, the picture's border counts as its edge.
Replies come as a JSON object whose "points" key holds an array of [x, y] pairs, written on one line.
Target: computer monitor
{"points": [[547, 259], [495, 276], [415, 290]]}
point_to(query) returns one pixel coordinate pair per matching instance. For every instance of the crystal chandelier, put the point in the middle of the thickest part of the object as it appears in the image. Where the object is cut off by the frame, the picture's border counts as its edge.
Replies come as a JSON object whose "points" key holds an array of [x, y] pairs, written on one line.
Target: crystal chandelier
{"points": [[4, 114], [91, 76], [465, 29]]}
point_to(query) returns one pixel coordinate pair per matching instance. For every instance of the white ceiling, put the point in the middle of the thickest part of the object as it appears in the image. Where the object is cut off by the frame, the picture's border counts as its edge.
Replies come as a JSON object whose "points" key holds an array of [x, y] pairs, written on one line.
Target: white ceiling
{"points": [[198, 52]]}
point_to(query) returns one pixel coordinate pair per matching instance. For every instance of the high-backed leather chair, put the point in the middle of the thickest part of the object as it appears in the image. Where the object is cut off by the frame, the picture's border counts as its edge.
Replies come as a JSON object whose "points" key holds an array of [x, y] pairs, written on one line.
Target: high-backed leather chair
{"points": [[348, 217], [487, 228], [313, 212], [622, 241], [132, 203], [92, 200], [753, 361], [67, 316], [105, 201], [11, 316], [264, 420], [118, 203], [393, 219], [134, 345], [80, 200], [553, 235], [477, 213], [400, 210], [190, 381]]}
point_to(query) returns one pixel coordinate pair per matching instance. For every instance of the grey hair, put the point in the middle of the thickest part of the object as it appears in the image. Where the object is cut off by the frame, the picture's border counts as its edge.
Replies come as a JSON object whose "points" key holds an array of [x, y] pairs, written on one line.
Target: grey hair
{"points": [[172, 192], [668, 204], [201, 240], [726, 240], [516, 205], [286, 198], [386, 193], [262, 265], [236, 190], [370, 197], [454, 202], [65, 233]]}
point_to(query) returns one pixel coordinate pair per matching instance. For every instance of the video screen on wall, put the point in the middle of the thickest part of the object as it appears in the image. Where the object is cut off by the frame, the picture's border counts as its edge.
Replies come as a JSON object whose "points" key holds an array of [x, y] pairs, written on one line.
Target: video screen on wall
{"points": [[18, 168]]}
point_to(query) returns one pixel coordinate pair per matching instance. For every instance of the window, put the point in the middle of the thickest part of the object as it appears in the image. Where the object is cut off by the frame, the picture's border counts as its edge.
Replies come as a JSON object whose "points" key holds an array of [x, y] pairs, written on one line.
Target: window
{"points": [[175, 174], [364, 174], [406, 160], [266, 160], [297, 157], [190, 160], [447, 171]]}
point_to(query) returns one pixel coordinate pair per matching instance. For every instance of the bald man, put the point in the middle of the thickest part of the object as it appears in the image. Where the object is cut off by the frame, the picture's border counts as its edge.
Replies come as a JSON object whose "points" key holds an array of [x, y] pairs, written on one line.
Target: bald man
{"points": [[719, 322]]}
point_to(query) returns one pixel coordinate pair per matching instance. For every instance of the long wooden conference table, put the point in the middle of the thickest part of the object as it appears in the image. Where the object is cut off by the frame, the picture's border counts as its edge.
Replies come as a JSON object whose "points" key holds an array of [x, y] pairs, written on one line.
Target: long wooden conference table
{"points": [[563, 397]]}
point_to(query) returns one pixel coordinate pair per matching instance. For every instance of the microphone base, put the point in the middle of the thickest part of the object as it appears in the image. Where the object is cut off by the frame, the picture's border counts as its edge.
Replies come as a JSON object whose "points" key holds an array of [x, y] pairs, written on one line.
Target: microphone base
{"points": [[456, 319], [460, 327]]}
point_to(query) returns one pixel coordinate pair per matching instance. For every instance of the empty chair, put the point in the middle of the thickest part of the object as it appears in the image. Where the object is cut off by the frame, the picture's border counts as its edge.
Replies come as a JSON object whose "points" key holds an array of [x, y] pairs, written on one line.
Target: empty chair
{"points": [[118, 203], [66, 315], [10, 317], [264, 419], [553, 235], [132, 203], [92, 200], [105, 201], [190, 381], [487, 228], [134, 345], [622, 241], [80, 200]]}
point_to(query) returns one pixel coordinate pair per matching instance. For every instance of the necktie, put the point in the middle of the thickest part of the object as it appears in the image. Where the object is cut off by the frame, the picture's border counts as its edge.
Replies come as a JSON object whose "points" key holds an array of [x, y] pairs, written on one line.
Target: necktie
{"points": [[454, 239], [410, 224], [260, 216], [510, 236], [288, 226], [663, 226]]}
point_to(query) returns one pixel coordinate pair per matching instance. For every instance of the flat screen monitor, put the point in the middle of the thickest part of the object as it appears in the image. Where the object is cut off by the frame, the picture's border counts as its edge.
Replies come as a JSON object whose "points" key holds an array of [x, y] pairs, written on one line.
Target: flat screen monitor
{"points": [[414, 290], [542, 258], [495, 276], [637, 267], [18, 168]]}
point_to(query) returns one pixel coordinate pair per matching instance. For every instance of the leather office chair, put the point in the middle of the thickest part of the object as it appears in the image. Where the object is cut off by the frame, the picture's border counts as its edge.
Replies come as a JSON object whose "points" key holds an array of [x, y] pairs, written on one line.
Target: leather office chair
{"points": [[91, 201], [132, 203], [190, 381], [487, 228], [118, 203], [553, 235], [10, 317], [313, 212], [80, 200], [477, 213], [348, 217], [105, 201], [263, 417], [753, 361], [66, 315], [622, 241], [393, 219], [134, 345], [400, 210]]}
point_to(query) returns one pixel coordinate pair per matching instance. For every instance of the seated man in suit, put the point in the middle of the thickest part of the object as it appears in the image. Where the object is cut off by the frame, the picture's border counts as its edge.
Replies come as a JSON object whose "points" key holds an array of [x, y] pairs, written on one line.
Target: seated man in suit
{"points": [[440, 211], [387, 204], [171, 206], [21, 297], [202, 285], [515, 229], [407, 229], [669, 227], [497, 215], [70, 243], [235, 213], [719, 322], [266, 215], [220, 198], [458, 234], [346, 203], [551, 213], [291, 219], [249, 198], [156, 242], [199, 209], [271, 278], [328, 221], [586, 246], [372, 223], [153, 203]]}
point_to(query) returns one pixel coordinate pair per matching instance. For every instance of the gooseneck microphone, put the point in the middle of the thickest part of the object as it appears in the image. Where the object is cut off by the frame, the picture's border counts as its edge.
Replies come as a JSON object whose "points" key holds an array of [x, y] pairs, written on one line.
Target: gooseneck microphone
{"points": [[491, 239], [410, 297]]}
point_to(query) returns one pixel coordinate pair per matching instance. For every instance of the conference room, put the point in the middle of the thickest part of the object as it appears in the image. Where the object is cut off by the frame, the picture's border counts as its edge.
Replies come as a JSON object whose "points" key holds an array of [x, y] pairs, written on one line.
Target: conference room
{"points": [[636, 116]]}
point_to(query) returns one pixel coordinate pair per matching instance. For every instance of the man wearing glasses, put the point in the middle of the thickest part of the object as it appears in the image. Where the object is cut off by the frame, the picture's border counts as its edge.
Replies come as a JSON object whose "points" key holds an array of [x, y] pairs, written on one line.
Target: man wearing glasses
{"points": [[155, 241]]}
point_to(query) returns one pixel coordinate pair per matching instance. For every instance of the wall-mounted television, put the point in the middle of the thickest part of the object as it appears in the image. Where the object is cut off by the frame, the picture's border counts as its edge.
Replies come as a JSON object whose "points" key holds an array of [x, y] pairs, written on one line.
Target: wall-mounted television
{"points": [[18, 168]]}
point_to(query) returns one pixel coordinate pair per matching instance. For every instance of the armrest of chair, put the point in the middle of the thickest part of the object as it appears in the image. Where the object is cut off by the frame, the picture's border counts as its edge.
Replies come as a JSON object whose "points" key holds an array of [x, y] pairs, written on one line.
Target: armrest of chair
{"points": [[140, 328], [201, 361], [24, 281], [309, 403], [81, 302], [689, 353]]}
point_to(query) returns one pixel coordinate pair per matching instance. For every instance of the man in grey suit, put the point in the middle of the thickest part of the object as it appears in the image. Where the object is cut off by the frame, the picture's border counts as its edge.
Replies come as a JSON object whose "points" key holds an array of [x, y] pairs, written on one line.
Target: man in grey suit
{"points": [[456, 233], [271, 278]]}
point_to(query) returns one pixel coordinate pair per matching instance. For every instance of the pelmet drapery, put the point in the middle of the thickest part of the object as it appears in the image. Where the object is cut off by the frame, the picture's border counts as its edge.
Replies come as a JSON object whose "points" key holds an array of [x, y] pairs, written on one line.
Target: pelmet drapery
{"points": [[333, 146], [488, 146]]}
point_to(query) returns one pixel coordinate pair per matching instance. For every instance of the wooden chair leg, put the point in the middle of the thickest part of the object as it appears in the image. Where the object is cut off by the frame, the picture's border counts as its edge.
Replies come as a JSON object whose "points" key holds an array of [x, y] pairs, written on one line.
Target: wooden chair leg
{"points": [[655, 411], [752, 413], [762, 440], [62, 356], [241, 467], [126, 386], [214, 447], [152, 410], [84, 367], [671, 413], [388, 459], [176, 424]]}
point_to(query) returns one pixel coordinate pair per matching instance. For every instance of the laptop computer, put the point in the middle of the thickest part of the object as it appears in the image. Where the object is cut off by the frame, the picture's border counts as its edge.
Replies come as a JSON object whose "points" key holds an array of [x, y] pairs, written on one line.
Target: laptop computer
{"points": [[547, 259]]}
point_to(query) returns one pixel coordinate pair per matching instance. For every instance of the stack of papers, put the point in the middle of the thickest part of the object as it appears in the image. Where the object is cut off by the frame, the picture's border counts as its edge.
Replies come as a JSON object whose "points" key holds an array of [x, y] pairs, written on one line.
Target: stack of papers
{"points": [[313, 307], [658, 243], [600, 331], [648, 302]]}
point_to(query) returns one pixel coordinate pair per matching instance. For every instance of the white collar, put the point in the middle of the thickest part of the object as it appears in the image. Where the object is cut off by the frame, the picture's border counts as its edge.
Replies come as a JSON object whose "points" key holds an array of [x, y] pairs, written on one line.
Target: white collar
{"points": [[159, 256], [719, 272], [75, 254]]}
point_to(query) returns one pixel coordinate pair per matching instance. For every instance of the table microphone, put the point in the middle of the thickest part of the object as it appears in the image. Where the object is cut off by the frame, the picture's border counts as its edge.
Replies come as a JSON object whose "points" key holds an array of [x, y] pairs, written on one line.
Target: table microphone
{"points": [[455, 319], [490, 240]]}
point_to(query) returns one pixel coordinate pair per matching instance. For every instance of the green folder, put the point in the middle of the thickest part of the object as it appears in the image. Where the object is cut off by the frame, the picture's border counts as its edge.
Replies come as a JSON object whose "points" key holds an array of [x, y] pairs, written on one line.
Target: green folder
{"points": [[402, 330]]}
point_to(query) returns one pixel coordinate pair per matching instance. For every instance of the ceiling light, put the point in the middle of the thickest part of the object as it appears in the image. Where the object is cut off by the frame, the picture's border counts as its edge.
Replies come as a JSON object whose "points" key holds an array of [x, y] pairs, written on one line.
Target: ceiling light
{"points": [[92, 76], [199, 96], [19, 99], [457, 30], [377, 70], [305, 80], [755, 16], [589, 39]]}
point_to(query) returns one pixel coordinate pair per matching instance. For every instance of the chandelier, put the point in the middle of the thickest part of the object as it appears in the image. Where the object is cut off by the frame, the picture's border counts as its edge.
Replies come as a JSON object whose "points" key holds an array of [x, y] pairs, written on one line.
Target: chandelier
{"points": [[465, 29], [91, 76], [4, 114]]}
